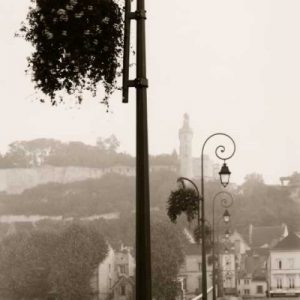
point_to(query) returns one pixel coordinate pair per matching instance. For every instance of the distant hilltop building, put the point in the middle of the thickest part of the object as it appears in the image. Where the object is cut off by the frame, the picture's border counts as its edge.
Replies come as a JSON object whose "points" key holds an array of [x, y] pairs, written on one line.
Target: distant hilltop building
{"points": [[191, 166]]}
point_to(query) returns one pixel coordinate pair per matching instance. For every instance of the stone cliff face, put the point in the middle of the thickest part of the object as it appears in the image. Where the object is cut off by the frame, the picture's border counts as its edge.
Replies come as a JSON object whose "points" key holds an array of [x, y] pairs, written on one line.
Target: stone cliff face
{"points": [[15, 181]]}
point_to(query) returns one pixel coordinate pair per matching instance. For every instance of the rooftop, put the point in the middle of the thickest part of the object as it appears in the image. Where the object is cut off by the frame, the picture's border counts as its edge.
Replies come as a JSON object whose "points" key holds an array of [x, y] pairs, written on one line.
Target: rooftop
{"points": [[266, 236], [291, 242], [192, 249]]}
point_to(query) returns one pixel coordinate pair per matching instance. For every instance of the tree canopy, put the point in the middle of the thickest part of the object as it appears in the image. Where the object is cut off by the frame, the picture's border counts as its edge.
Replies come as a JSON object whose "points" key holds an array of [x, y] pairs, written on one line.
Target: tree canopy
{"points": [[39, 263], [167, 258], [40, 152]]}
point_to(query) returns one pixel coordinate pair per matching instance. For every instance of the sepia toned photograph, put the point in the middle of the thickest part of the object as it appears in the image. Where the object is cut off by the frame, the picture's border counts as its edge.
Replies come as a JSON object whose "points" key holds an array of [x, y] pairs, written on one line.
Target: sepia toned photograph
{"points": [[149, 150]]}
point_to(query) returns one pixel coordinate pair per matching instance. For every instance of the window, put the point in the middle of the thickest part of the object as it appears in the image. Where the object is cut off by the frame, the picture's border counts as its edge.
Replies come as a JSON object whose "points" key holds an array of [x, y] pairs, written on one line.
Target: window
{"points": [[199, 266], [123, 290], [122, 269], [259, 289], [184, 284], [278, 263], [292, 282], [291, 263], [279, 282], [247, 292], [200, 283], [247, 281]]}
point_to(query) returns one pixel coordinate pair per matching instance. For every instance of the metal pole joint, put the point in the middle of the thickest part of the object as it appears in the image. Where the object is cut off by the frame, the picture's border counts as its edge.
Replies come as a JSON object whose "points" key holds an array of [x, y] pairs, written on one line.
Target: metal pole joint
{"points": [[138, 83], [138, 15]]}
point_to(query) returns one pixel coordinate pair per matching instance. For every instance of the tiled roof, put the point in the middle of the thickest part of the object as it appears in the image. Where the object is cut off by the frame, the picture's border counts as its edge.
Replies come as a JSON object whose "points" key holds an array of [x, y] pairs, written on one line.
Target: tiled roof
{"points": [[291, 242], [192, 249], [258, 251], [265, 235], [254, 267]]}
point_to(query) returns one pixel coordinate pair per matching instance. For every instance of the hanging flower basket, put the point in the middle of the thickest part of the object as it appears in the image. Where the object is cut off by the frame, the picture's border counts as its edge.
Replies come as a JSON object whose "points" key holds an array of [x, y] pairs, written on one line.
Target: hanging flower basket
{"points": [[182, 201], [198, 236], [77, 44]]}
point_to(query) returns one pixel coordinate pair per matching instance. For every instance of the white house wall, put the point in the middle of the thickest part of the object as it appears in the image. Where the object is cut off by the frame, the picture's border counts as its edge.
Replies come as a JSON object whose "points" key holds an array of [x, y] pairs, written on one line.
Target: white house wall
{"points": [[288, 269]]}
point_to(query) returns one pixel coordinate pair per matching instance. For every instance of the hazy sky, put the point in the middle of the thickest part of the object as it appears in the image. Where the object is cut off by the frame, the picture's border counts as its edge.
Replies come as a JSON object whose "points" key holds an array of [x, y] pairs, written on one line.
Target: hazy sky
{"points": [[233, 66]]}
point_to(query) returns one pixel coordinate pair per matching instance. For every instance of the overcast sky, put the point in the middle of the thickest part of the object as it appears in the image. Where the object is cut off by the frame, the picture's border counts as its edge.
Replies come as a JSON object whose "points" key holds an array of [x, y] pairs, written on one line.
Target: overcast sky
{"points": [[233, 66]]}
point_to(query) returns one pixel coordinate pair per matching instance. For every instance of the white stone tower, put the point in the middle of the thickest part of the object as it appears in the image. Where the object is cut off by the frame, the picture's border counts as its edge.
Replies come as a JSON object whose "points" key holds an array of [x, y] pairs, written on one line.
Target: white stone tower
{"points": [[185, 149]]}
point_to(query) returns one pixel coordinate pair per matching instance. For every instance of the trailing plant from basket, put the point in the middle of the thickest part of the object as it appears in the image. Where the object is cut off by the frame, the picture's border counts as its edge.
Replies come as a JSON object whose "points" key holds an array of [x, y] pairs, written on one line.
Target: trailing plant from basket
{"points": [[182, 201], [77, 44], [208, 235]]}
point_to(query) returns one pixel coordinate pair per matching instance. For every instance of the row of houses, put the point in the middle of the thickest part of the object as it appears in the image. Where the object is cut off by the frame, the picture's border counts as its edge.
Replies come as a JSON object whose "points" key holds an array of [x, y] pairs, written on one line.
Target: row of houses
{"points": [[264, 261], [267, 261]]}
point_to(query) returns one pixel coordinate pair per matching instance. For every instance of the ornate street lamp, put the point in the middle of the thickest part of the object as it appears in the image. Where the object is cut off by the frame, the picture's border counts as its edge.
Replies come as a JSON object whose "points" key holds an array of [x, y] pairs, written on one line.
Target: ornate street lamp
{"points": [[226, 216], [224, 178], [227, 234], [226, 200]]}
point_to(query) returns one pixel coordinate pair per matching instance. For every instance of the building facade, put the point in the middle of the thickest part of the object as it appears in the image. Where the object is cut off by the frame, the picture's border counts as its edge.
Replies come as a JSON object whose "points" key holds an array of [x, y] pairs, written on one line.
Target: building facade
{"points": [[190, 274], [114, 277], [228, 273], [283, 268], [252, 277]]}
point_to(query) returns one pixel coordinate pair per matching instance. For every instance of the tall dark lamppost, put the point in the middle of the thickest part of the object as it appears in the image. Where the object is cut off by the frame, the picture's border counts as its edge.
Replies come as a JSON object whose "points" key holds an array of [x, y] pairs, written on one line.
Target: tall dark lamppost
{"points": [[143, 240], [224, 178], [226, 201]]}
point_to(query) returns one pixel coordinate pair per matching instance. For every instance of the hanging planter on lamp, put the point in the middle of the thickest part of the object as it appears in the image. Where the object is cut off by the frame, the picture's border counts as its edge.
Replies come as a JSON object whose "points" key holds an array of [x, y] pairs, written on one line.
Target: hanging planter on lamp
{"points": [[182, 201], [77, 44]]}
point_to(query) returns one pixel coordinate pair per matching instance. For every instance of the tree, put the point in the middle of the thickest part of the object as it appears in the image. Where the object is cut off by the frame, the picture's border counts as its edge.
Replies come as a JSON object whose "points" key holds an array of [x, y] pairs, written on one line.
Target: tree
{"points": [[33, 153], [167, 257], [78, 252], [25, 263], [37, 263], [112, 143], [253, 182]]}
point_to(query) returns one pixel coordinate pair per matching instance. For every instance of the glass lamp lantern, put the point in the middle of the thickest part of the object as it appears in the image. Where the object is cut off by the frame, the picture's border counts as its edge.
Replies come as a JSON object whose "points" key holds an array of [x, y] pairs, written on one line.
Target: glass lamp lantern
{"points": [[224, 175], [226, 216]]}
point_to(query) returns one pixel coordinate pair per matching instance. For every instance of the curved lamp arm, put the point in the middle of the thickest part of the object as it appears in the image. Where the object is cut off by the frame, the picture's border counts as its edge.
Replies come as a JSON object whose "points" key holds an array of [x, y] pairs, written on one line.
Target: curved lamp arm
{"points": [[220, 149], [181, 181]]}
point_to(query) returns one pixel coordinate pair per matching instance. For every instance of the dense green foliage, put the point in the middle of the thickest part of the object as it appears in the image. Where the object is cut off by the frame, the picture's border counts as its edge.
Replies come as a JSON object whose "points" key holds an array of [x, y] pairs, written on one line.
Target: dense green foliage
{"points": [[38, 263], [39, 152], [43, 152], [167, 257], [254, 201], [60, 61], [84, 198], [261, 204]]}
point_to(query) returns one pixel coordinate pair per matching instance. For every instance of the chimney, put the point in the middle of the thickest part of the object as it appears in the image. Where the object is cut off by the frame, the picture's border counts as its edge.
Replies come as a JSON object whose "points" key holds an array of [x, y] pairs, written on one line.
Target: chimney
{"points": [[250, 233]]}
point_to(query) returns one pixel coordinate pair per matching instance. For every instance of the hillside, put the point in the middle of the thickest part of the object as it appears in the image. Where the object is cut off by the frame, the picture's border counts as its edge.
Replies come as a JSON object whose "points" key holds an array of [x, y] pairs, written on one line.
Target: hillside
{"points": [[28, 164]]}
